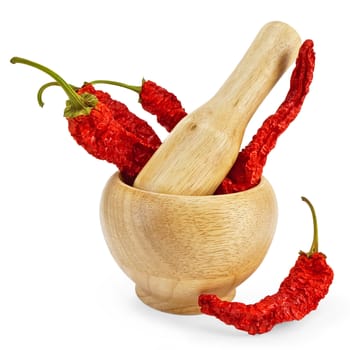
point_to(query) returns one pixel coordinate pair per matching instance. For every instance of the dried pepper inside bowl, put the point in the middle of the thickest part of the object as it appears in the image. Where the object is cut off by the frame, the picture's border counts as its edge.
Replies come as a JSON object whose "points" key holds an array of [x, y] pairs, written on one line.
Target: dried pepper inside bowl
{"points": [[248, 168]]}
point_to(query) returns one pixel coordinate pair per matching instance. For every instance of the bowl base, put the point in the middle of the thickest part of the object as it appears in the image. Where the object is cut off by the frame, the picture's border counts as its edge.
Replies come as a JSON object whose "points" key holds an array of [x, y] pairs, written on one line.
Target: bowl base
{"points": [[175, 306]]}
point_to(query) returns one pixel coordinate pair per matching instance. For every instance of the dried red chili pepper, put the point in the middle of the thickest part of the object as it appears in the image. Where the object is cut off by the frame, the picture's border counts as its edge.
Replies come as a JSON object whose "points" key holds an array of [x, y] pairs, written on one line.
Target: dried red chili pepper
{"points": [[300, 293], [105, 127], [155, 100], [248, 168], [126, 141]]}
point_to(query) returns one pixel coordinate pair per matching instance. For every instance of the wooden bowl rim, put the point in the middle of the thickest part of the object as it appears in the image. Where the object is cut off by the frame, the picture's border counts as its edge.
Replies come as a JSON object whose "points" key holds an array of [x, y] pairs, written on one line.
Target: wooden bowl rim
{"points": [[263, 182]]}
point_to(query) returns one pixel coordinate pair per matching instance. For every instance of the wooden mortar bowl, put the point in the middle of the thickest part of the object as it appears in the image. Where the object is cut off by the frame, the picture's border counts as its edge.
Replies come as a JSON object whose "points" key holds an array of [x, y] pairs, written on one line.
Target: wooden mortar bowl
{"points": [[177, 247]]}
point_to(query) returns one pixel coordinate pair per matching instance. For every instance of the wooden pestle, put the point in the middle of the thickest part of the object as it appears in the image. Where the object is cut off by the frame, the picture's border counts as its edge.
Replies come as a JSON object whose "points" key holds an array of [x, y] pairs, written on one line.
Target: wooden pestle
{"points": [[199, 152]]}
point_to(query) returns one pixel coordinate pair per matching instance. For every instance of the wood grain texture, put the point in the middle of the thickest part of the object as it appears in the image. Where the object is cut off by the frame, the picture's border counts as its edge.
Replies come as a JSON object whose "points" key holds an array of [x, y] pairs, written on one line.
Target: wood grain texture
{"points": [[177, 247], [198, 153]]}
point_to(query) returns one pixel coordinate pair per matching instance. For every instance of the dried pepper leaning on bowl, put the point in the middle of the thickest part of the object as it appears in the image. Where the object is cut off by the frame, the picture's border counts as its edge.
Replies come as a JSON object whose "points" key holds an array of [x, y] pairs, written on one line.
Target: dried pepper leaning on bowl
{"points": [[105, 127], [300, 293]]}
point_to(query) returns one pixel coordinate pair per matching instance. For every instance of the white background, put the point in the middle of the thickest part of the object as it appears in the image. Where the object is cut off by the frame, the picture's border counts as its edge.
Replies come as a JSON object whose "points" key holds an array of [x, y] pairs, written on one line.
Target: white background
{"points": [[59, 286]]}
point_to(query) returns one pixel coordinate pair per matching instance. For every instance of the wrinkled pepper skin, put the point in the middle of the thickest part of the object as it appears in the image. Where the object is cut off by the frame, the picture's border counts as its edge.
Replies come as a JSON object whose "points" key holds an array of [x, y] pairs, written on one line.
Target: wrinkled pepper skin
{"points": [[299, 293]]}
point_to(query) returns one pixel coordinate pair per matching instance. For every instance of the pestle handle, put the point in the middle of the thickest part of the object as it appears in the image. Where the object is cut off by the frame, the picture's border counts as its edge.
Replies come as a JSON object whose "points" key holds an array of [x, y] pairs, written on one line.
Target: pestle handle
{"points": [[199, 152]]}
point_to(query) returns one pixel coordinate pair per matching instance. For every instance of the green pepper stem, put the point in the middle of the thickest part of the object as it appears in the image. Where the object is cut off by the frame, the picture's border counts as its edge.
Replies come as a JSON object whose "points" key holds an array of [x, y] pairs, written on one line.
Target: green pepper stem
{"points": [[78, 104], [41, 90], [117, 83], [44, 87], [314, 245]]}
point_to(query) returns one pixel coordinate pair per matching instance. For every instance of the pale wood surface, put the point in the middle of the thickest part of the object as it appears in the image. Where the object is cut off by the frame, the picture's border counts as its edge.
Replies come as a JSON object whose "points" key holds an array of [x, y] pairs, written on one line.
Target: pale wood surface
{"points": [[177, 247], [199, 152]]}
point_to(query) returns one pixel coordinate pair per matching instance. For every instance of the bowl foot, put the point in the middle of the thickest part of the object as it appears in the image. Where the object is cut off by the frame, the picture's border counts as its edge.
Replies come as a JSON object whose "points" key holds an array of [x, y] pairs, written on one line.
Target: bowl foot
{"points": [[183, 306]]}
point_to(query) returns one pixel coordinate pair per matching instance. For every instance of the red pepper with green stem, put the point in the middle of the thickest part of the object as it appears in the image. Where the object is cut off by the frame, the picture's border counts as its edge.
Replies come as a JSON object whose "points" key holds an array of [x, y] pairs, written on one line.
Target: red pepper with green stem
{"points": [[129, 120], [300, 292], [105, 127]]}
